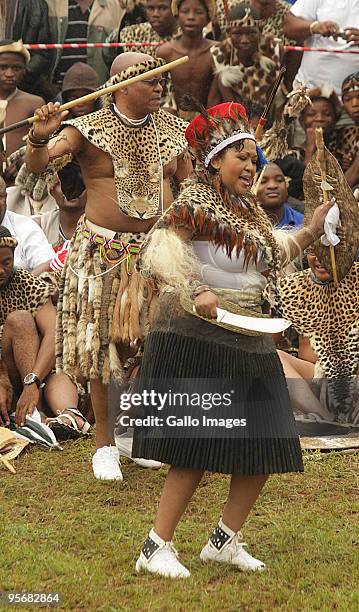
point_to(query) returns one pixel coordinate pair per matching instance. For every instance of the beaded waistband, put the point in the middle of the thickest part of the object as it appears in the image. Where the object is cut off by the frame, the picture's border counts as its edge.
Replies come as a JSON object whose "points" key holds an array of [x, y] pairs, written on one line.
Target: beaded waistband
{"points": [[124, 250]]}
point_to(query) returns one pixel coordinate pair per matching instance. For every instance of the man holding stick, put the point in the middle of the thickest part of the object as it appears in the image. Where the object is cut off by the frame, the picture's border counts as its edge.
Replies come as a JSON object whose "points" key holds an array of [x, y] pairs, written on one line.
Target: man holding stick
{"points": [[128, 151]]}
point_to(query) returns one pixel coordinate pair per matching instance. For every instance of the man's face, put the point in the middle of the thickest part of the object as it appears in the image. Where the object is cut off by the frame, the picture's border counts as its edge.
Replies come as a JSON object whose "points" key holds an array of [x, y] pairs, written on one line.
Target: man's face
{"points": [[6, 264], [145, 97], [272, 191], [2, 199], [244, 40], [84, 108], [159, 15], [319, 271], [192, 17], [12, 71], [351, 105]]}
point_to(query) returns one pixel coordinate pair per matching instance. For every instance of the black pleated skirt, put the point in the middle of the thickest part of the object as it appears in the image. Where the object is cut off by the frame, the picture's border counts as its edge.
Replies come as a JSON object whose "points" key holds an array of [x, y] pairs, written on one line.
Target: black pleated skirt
{"points": [[252, 431]]}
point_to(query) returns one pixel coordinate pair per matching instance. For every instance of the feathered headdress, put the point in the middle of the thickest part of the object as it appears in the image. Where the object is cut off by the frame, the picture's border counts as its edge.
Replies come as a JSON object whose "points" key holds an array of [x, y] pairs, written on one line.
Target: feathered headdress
{"points": [[216, 128]]}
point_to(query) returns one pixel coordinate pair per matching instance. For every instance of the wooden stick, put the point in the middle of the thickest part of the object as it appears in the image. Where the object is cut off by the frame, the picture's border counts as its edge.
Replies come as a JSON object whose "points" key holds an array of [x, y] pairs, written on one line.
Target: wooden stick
{"points": [[102, 92], [323, 172], [7, 464]]}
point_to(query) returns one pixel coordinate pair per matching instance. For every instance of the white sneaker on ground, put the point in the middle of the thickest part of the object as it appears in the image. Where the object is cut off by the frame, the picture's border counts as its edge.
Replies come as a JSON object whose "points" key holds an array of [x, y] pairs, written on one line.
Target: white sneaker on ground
{"points": [[225, 546], [160, 557], [124, 444], [106, 463]]}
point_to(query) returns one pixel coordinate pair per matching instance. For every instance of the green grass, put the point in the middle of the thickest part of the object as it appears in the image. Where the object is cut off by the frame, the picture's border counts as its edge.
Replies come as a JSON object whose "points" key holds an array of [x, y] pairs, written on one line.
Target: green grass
{"points": [[63, 531]]}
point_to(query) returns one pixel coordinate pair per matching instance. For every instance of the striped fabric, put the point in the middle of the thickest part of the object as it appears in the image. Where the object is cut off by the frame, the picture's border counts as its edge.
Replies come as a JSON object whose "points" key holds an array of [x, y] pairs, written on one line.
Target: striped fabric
{"points": [[76, 33]]}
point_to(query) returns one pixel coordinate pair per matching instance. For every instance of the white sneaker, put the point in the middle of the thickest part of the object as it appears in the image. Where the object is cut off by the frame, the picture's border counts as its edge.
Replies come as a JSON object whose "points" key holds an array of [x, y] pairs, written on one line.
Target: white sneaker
{"points": [[124, 444], [160, 557], [232, 551], [106, 463]]}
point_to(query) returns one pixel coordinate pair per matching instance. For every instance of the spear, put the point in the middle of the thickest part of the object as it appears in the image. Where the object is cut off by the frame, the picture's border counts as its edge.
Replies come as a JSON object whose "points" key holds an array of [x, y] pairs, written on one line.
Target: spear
{"points": [[101, 92], [264, 117], [325, 187], [263, 120]]}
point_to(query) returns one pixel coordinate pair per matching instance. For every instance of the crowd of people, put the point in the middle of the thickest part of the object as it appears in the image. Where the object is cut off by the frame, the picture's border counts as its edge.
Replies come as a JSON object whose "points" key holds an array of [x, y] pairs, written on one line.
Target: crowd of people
{"points": [[130, 221]]}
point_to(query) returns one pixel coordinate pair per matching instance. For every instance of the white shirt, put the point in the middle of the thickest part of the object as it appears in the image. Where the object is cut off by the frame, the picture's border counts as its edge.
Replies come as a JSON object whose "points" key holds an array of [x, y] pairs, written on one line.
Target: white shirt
{"points": [[319, 68], [218, 270], [33, 248]]}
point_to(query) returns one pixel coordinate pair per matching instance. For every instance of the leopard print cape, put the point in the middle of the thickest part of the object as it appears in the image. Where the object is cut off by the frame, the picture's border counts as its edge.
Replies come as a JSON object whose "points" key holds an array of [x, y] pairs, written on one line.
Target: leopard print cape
{"points": [[344, 141], [232, 223], [143, 33], [134, 153], [246, 82], [329, 316]]}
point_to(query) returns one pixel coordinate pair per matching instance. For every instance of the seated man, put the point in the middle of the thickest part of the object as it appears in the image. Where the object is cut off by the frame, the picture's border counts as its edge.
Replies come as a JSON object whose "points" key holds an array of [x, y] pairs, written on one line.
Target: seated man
{"points": [[33, 252], [27, 320], [328, 316], [70, 194], [273, 194]]}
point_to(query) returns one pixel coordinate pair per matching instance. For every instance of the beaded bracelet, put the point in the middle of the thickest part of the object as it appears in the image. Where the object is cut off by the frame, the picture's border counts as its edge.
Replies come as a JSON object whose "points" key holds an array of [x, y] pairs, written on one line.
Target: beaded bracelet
{"points": [[37, 143]]}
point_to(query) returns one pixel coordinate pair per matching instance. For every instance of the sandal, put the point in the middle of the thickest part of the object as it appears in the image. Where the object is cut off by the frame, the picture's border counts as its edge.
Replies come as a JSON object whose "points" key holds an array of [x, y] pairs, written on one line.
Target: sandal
{"points": [[68, 431]]}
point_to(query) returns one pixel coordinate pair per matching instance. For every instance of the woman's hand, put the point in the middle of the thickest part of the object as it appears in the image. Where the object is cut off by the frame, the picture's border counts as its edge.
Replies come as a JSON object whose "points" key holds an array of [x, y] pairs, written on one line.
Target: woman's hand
{"points": [[317, 222], [206, 304]]}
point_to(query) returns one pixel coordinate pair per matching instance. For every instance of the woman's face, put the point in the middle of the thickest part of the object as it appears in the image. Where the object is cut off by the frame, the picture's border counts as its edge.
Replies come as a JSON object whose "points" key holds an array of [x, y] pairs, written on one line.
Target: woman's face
{"points": [[316, 267], [319, 114], [237, 166]]}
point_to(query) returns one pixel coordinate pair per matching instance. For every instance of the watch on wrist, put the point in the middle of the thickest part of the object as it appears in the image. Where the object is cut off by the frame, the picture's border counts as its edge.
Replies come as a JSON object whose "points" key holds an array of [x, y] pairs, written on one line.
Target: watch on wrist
{"points": [[33, 378]]}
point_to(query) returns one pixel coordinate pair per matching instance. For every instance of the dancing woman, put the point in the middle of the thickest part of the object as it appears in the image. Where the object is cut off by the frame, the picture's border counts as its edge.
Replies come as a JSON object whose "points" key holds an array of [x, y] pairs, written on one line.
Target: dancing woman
{"points": [[218, 224]]}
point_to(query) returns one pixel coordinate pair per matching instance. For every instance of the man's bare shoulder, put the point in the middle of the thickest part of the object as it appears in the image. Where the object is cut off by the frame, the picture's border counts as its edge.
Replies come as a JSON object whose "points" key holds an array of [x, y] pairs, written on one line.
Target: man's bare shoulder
{"points": [[30, 100], [169, 50]]}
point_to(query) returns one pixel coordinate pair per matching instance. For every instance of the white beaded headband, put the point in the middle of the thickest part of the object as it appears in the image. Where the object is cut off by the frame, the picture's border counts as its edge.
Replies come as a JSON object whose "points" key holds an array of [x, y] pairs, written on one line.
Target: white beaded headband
{"points": [[225, 143]]}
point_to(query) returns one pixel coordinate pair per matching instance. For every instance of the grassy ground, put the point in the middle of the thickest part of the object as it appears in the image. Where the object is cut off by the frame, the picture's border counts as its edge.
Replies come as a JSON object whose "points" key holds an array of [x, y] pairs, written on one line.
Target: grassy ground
{"points": [[61, 530]]}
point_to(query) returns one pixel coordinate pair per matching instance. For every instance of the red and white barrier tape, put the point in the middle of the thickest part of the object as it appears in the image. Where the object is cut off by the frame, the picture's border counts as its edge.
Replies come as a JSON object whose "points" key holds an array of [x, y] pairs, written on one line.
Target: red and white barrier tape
{"points": [[90, 45], [156, 44], [320, 49]]}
